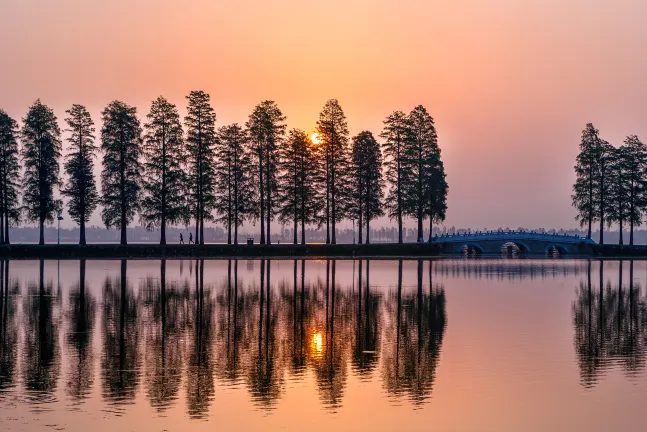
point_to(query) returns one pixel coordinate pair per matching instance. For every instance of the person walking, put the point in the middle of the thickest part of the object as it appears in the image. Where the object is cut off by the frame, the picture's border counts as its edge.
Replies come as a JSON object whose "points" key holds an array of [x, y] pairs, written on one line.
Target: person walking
{"points": [[190, 238], [181, 239]]}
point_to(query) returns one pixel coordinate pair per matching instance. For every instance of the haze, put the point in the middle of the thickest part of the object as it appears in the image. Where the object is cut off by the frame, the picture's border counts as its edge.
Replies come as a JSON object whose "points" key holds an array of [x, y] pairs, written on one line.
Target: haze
{"points": [[510, 83]]}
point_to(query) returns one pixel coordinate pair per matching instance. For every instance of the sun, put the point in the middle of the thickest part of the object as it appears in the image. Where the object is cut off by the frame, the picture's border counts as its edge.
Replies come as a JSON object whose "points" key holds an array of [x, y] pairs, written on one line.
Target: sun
{"points": [[315, 138]]}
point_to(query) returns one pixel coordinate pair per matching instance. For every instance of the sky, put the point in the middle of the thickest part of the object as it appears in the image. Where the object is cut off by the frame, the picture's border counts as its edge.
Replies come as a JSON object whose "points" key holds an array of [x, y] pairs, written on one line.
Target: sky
{"points": [[510, 83]]}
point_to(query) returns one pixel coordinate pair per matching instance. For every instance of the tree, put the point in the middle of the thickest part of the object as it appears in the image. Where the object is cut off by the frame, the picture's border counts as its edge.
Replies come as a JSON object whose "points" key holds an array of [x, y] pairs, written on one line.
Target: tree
{"points": [[332, 130], [41, 150], [368, 182], [81, 188], [397, 136], [619, 188], [164, 179], [298, 202], [602, 183], [200, 123], [585, 170], [635, 166], [266, 126], [121, 176], [9, 175], [234, 188], [426, 192]]}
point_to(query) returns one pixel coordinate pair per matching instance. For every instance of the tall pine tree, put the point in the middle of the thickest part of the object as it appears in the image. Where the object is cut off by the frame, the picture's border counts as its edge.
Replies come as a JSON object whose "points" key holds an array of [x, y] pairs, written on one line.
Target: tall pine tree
{"points": [[121, 176], [266, 126], [299, 198], [425, 191], [200, 123], [585, 170], [636, 166], [367, 180], [81, 188], [234, 189], [164, 178], [618, 209], [9, 175], [332, 130], [41, 150], [397, 138]]}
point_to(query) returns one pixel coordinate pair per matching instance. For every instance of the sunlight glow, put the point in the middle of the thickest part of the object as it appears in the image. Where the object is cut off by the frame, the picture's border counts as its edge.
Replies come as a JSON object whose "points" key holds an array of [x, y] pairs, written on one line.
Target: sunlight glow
{"points": [[317, 343], [315, 138]]}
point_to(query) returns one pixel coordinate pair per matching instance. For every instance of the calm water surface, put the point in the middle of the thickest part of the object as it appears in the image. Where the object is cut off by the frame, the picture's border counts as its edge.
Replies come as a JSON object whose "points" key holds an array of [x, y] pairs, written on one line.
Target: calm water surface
{"points": [[458, 345]]}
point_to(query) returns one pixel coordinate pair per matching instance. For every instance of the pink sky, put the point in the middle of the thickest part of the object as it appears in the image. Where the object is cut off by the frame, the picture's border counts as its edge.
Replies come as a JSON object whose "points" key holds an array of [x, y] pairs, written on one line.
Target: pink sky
{"points": [[510, 83]]}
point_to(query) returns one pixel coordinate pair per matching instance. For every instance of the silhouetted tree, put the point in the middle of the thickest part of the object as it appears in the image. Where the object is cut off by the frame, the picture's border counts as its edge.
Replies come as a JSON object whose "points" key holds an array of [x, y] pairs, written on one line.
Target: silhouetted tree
{"points": [[335, 159], [366, 179], [9, 175], [619, 188], [397, 136], [164, 178], [636, 166], [234, 187], [121, 176], [585, 168], [299, 201], [200, 123], [602, 184], [266, 126], [41, 150], [81, 188]]}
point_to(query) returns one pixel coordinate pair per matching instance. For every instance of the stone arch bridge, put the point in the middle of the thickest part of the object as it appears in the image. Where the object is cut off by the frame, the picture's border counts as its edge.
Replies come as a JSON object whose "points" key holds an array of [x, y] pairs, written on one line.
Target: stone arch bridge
{"points": [[524, 242]]}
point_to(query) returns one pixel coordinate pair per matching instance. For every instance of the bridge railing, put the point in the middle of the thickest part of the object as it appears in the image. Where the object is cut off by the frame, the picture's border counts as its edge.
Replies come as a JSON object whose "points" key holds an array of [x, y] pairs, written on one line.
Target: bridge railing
{"points": [[512, 234]]}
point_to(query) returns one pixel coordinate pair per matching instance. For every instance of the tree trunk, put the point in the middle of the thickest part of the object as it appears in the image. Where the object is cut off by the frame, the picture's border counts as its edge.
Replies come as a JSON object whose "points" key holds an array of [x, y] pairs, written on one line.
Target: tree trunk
{"points": [[368, 230], [620, 242], [41, 224], [262, 194], [82, 233]]}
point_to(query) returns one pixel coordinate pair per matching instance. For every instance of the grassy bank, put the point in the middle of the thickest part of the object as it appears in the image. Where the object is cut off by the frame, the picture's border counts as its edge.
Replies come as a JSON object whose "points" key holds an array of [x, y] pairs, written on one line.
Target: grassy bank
{"points": [[99, 251]]}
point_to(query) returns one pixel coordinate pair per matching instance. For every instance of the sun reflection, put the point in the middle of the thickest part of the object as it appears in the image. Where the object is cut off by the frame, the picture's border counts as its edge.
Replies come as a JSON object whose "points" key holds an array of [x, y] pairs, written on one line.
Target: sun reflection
{"points": [[317, 343]]}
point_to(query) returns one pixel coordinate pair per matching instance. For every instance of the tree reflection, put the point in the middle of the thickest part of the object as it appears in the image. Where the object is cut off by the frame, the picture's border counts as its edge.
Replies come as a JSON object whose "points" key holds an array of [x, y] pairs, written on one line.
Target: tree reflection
{"points": [[609, 325], [121, 360], [265, 375], [199, 383], [366, 347], [8, 327], [79, 339], [417, 334], [330, 364], [167, 316], [41, 358]]}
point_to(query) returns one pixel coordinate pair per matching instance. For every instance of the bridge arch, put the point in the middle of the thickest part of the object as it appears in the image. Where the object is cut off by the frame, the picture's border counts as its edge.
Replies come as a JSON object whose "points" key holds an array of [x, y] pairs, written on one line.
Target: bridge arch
{"points": [[521, 246], [560, 249], [471, 249]]}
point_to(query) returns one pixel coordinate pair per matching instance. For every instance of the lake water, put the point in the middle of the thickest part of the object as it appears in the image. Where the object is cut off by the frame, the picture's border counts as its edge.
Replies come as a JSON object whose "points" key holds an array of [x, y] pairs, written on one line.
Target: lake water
{"points": [[323, 345]]}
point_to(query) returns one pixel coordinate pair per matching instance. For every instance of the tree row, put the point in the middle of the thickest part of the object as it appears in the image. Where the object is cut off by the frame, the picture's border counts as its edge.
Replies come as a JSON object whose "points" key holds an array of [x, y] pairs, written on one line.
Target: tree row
{"points": [[172, 172], [611, 184]]}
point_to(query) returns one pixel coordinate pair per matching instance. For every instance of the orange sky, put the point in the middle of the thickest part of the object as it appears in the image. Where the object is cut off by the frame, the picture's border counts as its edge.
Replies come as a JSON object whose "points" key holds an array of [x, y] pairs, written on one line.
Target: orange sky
{"points": [[510, 83]]}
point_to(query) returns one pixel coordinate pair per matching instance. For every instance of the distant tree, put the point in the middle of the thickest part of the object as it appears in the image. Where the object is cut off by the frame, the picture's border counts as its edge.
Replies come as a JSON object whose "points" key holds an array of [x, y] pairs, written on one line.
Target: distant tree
{"points": [[603, 183], [585, 170], [635, 166], [164, 179], [200, 123], [367, 181], [9, 175], [332, 130], [397, 136], [619, 188], [435, 194], [81, 188], [121, 176], [41, 150], [298, 200], [425, 192], [234, 189], [266, 126]]}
